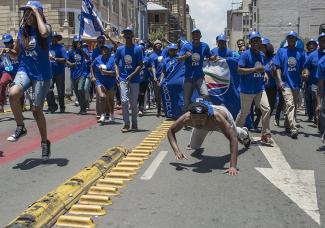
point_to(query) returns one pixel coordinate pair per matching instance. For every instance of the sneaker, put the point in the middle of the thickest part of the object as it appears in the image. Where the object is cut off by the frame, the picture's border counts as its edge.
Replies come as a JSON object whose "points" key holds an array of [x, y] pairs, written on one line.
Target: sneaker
{"points": [[83, 112], [323, 137], [125, 128], [276, 122], [266, 139], [76, 103], [246, 141], [46, 150], [19, 132], [101, 119], [140, 114], [62, 110], [134, 128], [294, 133], [111, 118], [53, 109], [147, 107]]}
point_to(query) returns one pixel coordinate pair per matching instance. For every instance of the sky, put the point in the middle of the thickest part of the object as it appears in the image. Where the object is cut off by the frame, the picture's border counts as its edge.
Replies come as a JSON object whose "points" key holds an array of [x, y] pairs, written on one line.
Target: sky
{"points": [[210, 17]]}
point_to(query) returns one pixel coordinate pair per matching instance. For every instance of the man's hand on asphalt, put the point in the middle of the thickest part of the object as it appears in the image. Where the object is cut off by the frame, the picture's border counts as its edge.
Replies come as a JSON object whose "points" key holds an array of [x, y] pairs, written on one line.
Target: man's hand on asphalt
{"points": [[180, 156], [232, 171]]}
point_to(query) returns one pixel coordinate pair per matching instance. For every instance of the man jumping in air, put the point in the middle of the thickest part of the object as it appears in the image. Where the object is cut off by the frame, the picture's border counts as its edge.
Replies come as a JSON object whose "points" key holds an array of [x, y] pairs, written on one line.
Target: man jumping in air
{"points": [[204, 117]]}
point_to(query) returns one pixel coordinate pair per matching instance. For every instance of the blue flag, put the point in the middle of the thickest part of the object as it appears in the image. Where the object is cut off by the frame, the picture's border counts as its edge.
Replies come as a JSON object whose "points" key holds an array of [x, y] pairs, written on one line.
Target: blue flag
{"points": [[172, 91], [90, 23]]}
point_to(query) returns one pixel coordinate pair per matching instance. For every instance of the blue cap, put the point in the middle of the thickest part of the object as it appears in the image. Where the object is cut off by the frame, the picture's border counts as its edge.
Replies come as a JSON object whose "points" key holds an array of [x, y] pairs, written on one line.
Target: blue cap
{"points": [[172, 46], [221, 37], [292, 33], [196, 30], [6, 38], [55, 34], [312, 40], [321, 35], [101, 37], [31, 4], [108, 46], [265, 40], [128, 29], [254, 34], [77, 38]]}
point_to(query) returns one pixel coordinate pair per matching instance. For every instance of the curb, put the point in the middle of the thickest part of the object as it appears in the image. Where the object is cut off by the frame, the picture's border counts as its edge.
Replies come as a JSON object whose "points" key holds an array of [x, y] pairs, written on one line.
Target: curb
{"points": [[45, 211]]}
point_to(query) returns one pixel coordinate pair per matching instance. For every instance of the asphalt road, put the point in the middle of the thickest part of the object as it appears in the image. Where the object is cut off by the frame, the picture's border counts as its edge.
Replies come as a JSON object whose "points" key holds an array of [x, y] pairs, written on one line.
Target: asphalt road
{"points": [[191, 193]]}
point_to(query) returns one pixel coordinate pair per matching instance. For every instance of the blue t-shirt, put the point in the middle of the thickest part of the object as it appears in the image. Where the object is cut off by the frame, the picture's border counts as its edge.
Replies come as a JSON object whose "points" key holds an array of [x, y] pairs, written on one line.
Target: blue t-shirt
{"points": [[34, 59], [58, 51], [194, 64], [87, 63], [127, 59], [96, 52], [108, 81], [291, 63], [226, 52], [251, 83], [268, 71], [169, 64], [311, 64], [165, 52], [75, 56], [320, 74], [157, 59], [145, 73]]}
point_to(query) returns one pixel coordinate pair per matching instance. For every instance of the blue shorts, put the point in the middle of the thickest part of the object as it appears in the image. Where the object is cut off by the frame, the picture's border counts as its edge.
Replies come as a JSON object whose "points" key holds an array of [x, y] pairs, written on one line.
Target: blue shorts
{"points": [[40, 88], [108, 87]]}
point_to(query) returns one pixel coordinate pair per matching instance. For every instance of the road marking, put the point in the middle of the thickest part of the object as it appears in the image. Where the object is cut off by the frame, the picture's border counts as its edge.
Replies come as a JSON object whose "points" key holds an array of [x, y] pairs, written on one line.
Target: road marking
{"points": [[148, 174], [298, 185]]}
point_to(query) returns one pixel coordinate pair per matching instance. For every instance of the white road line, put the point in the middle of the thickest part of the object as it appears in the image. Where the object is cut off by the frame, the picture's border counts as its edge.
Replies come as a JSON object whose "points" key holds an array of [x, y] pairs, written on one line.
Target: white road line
{"points": [[298, 185], [148, 174]]}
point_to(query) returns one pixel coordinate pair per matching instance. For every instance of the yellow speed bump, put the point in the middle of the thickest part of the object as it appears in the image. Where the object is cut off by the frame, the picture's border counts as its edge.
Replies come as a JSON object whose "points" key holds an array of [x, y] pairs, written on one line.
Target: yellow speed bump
{"points": [[95, 200], [102, 190], [118, 175], [75, 221], [125, 170], [138, 155], [138, 160], [157, 138], [129, 164], [155, 142], [146, 145], [81, 209], [149, 152], [108, 182]]}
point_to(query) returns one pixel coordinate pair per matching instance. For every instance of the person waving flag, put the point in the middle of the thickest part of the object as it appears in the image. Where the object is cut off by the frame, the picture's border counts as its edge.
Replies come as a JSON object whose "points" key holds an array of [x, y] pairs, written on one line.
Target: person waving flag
{"points": [[90, 23]]}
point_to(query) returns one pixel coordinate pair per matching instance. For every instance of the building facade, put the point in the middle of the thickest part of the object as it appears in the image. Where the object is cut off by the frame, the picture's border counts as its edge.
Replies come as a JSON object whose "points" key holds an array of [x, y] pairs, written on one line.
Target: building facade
{"points": [[64, 16], [273, 19]]}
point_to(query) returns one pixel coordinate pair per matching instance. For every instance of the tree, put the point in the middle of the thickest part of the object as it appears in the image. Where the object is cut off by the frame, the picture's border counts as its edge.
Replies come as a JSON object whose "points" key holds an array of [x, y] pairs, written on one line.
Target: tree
{"points": [[159, 34]]}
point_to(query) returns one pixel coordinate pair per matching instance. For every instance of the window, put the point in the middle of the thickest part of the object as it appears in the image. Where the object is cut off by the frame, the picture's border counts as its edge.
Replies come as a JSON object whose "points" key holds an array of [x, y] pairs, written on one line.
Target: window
{"points": [[156, 18], [71, 20], [116, 6]]}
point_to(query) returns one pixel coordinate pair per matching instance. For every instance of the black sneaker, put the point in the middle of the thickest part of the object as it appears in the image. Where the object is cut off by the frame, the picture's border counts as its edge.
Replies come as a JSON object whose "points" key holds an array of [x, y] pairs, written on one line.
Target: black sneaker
{"points": [[19, 132], [125, 128], [294, 133], [134, 128], [46, 150]]}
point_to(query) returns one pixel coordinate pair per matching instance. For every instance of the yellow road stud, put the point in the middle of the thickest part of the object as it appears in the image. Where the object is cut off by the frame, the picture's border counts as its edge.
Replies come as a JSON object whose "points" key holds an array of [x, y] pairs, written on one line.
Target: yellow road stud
{"points": [[108, 182], [129, 164], [95, 200], [103, 190], [138, 160], [124, 170], [81, 209], [146, 145], [118, 175], [75, 221]]}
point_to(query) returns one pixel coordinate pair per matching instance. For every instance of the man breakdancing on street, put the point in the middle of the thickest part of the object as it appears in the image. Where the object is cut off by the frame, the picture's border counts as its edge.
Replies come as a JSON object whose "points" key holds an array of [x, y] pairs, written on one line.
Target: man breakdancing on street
{"points": [[205, 117]]}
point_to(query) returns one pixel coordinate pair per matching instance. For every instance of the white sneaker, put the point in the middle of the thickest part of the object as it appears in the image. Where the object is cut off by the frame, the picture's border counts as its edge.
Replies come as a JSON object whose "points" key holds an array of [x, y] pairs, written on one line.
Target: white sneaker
{"points": [[147, 107], [76, 103], [111, 118], [101, 119]]}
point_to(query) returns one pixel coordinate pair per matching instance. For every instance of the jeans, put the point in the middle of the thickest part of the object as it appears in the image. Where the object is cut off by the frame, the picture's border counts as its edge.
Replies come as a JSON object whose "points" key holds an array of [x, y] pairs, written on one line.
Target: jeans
{"points": [[79, 89], [142, 94], [129, 93], [59, 80], [189, 86], [310, 96]]}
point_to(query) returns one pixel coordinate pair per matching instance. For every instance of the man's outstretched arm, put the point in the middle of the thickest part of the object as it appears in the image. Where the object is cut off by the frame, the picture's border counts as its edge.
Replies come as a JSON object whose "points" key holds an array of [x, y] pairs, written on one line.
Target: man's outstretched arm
{"points": [[231, 135], [177, 126]]}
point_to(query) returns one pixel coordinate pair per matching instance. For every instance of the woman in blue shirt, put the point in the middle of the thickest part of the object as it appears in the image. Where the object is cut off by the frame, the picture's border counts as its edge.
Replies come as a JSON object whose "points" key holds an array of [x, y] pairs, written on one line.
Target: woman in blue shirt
{"points": [[32, 46], [106, 83]]}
